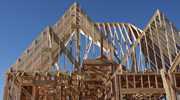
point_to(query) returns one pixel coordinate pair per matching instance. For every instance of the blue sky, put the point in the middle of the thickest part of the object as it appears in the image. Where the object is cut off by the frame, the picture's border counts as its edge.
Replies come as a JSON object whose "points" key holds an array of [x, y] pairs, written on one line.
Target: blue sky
{"points": [[21, 21]]}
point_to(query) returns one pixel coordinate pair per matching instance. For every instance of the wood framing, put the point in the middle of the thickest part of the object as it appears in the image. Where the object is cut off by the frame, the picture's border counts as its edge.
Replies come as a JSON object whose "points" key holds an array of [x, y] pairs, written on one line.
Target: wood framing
{"points": [[130, 63]]}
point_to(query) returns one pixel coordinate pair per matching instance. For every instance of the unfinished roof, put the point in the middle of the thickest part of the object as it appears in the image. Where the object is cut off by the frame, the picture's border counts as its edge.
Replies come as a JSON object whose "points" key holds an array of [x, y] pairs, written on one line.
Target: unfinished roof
{"points": [[111, 51]]}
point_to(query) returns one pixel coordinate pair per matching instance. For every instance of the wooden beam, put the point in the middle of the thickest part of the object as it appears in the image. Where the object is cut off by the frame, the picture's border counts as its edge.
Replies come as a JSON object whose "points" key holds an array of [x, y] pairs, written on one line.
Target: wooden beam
{"points": [[88, 49], [134, 45], [174, 63], [34, 92], [24, 91], [117, 87], [55, 88], [65, 50], [46, 49], [43, 82], [70, 88], [101, 48], [173, 89], [129, 53], [6, 87], [83, 88], [75, 26], [93, 70], [29, 48], [165, 84], [142, 90], [19, 90], [97, 62], [13, 88]]}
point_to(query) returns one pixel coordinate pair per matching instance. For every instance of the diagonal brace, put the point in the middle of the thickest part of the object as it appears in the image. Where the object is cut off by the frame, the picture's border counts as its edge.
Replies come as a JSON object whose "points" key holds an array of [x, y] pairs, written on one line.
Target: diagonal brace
{"points": [[174, 63], [127, 55], [65, 50]]}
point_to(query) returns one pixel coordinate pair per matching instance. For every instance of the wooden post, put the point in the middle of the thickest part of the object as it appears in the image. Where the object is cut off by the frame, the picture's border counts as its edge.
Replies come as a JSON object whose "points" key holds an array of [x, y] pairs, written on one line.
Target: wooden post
{"points": [[6, 87], [55, 89], [165, 84], [117, 87], [111, 91], [61, 95], [41, 61], [51, 57], [13, 87], [121, 96], [33, 92], [105, 92], [172, 87], [113, 88], [101, 47], [37, 92], [70, 88], [20, 89], [83, 92], [160, 44], [93, 41]]}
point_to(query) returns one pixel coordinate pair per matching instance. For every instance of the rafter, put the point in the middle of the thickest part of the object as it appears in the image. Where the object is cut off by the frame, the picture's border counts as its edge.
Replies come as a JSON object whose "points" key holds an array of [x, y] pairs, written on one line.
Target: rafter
{"points": [[131, 63]]}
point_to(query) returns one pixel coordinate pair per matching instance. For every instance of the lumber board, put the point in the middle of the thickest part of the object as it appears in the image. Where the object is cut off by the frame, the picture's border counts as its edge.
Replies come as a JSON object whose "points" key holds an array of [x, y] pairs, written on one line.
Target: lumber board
{"points": [[43, 82], [159, 49], [97, 62], [166, 86], [142, 90], [66, 51], [174, 63]]}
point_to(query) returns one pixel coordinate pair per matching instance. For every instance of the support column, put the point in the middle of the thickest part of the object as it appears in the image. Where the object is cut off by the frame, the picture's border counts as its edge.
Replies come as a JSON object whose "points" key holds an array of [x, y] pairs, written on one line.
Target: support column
{"points": [[55, 89], [116, 87], [166, 87], [101, 48], [63, 94], [113, 89], [13, 88], [173, 88], [6, 87], [105, 92], [37, 92], [121, 96], [33, 92], [70, 88], [83, 92], [19, 89], [78, 46]]}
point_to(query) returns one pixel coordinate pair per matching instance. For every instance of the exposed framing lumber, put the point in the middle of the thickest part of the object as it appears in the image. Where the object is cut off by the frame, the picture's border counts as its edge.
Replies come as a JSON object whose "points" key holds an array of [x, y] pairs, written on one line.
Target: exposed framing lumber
{"points": [[88, 49], [6, 88], [101, 77], [165, 84], [174, 63], [66, 51]]}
